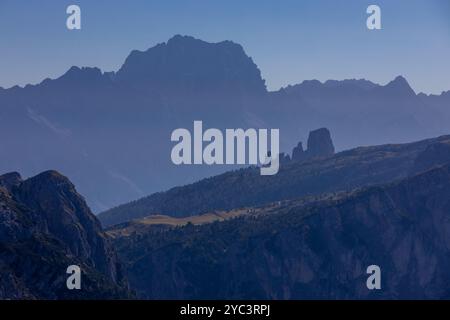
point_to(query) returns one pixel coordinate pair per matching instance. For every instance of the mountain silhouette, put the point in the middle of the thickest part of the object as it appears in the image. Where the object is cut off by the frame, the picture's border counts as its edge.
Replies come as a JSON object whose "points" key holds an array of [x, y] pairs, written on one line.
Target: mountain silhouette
{"points": [[109, 132], [45, 227], [188, 64]]}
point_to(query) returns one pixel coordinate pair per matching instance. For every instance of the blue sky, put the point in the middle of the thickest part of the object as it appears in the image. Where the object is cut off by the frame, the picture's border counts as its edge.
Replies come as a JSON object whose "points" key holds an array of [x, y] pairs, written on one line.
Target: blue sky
{"points": [[290, 40]]}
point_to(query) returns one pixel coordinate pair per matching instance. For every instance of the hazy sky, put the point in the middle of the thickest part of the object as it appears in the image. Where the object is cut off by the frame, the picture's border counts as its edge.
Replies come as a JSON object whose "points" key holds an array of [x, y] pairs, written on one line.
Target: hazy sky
{"points": [[290, 41]]}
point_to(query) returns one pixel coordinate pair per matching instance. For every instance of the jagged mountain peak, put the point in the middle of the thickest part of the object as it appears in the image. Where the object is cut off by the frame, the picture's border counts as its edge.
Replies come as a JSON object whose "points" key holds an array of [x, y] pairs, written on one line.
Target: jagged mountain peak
{"points": [[51, 178], [9, 180], [11, 176], [59, 204], [81, 74], [186, 42], [185, 62], [334, 86], [399, 85], [311, 83], [360, 83], [180, 38], [45, 225], [400, 80]]}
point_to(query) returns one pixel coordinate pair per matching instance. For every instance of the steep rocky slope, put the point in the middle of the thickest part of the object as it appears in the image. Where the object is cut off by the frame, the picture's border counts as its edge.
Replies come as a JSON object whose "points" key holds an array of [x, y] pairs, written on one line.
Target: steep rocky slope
{"points": [[305, 249], [45, 227]]}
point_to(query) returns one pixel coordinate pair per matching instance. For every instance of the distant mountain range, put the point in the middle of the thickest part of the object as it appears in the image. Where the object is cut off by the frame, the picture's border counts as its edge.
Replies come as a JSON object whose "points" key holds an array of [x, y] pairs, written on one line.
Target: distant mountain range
{"points": [[109, 132]]}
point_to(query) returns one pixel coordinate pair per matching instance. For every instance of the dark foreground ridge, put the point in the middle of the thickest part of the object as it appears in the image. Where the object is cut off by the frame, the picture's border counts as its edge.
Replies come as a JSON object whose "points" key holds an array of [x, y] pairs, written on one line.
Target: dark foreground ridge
{"points": [[292, 244], [46, 226]]}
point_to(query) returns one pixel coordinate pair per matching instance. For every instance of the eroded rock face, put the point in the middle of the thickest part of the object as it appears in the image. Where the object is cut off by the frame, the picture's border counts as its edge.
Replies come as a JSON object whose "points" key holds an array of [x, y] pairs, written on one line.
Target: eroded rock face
{"points": [[319, 250], [185, 63], [298, 154], [46, 226], [10, 180], [320, 143]]}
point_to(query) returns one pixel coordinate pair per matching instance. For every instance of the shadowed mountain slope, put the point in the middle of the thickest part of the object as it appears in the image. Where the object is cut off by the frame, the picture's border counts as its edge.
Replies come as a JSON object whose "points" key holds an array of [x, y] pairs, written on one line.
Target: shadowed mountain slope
{"points": [[246, 187], [296, 250], [45, 227]]}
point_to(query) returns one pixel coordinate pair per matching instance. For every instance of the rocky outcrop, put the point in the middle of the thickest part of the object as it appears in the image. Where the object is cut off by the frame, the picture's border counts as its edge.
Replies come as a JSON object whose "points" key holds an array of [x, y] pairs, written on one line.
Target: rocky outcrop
{"points": [[320, 144], [10, 180], [307, 250], [298, 154], [46, 226], [342, 171], [284, 158]]}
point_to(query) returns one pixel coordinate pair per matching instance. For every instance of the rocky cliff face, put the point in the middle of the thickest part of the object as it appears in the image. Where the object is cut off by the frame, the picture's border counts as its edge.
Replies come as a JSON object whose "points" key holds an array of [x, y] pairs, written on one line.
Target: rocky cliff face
{"points": [[320, 144], [45, 226], [298, 154], [307, 249], [188, 64]]}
